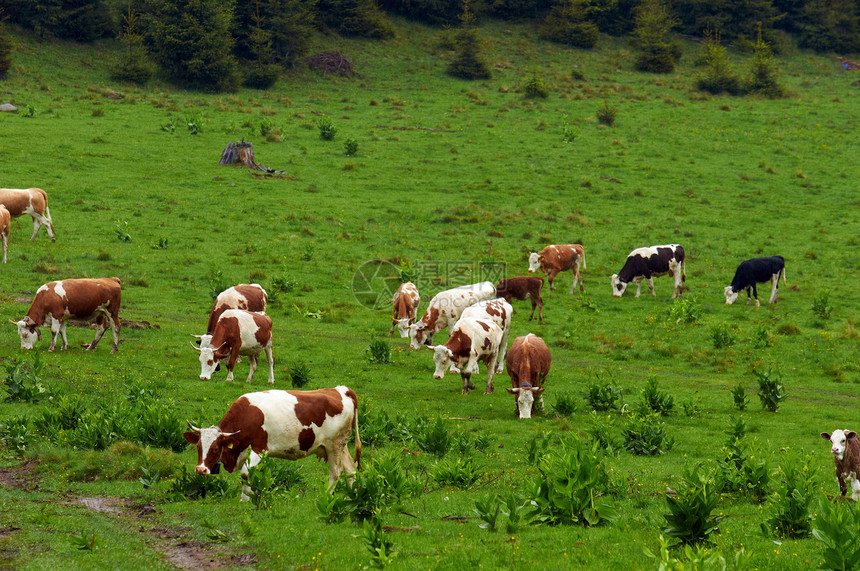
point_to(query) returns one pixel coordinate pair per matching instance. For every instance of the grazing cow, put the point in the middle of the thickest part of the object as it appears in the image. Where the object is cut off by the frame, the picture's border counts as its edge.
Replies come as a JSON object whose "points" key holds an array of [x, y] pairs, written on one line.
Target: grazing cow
{"points": [[32, 201], [238, 332], [528, 363], [445, 309], [5, 225], [554, 259], [250, 297], [471, 340], [284, 424], [756, 270], [653, 261], [88, 299], [846, 455], [499, 312], [522, 288], [405, 304]]}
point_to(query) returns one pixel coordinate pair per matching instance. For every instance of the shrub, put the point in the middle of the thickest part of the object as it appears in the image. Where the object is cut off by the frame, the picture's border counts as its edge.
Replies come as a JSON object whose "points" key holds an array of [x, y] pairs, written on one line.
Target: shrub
{"points": [[6, 50], [771, 392], [763, 73], [572, 486], [689, 519], [270, 477], [536, 88], [326, 128], [368, 495], [15, 434], [719, 77], [606, 396], [565, 405], [460, 473], [569, 133], [64, 415], [157, 423], [652, 37], [821, 306], [685, 310], [134, 66], [761, 337], [120, 228], [432, 437], [350, 147], [490, 507], [656, 400], [837, 526], [406, 272], [723, 335], [645, 435], [22, 381], [488, 510], [790, 508], [379, 351], [192, 486], [740, 472], [216, 281], [300, 375], [602, 434], [607, 113], [740, 397]]}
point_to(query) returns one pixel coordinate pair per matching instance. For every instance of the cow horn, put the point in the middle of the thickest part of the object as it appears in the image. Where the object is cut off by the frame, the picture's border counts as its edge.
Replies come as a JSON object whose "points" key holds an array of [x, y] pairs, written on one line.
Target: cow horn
{"points": [[228, 434], [431, 347], [194, 428], [197, 336], [13, 322], [195, 347]]}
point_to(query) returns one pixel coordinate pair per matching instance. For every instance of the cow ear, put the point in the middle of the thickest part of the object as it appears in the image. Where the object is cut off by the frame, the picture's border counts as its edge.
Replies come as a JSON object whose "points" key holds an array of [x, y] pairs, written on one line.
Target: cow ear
{"points": [[850, 434], [192, 437], [825, 435], [539, 390]]}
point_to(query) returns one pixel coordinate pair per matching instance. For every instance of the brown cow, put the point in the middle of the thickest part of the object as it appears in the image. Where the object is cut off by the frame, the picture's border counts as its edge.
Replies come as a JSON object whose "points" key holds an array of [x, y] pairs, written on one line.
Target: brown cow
{"points": [[284, 424], [405, 302], [238, 332], [522, 288], [250, 297], [32, 201], [89, 299], [528, 364], [5, 225], [554, 259]]}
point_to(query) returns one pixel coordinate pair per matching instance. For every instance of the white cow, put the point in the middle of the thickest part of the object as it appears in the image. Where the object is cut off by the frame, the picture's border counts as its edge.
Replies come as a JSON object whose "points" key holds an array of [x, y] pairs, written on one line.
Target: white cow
{"points": [[498, 311], [445, 309], [472, 340]]}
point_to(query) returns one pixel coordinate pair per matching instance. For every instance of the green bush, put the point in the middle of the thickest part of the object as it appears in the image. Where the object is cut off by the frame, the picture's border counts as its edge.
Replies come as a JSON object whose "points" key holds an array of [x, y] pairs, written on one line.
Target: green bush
{"points": [[653, 399], [569, 23], [460, 473], [157, 423], [565, 404], [22, 380], [188, 485], [603, 435], [837, 526], [685, 310], [690, 518], [468, 63], [763, 72], [723, 335], [432, 437], [379, 351], [719, 77], [350, 147], [740, 397], [607, 113], [605, 396], [327, 129], [771, 391], [380, 549], [6, 50], [490, 507], [821, 306], [15, 434], [790, 514], [536, 88], [762, 337], [645, 435], [653, 38], [300, 375]]}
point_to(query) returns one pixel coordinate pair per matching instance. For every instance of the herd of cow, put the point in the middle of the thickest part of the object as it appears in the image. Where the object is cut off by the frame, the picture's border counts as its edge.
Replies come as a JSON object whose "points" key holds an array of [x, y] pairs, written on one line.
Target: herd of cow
{"points": [[296, 424]]}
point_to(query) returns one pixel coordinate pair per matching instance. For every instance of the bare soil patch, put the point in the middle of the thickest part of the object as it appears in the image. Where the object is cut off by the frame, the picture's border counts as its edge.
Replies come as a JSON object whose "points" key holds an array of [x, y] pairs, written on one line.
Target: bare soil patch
{"points": [[20, 477]]}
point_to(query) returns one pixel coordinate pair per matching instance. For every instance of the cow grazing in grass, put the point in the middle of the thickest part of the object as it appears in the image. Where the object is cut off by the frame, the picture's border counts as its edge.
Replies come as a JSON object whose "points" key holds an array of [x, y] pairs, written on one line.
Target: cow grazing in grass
{"points": [[651, 262], [471, 340], [32, 201], [284, 424], [554, 259], [522, 288], [499, 312], [846, 455], [756, 270], [87, 299], [5, 226], [445, 309], [250, 297], [528, 363], [405, 304], [238, 332]]}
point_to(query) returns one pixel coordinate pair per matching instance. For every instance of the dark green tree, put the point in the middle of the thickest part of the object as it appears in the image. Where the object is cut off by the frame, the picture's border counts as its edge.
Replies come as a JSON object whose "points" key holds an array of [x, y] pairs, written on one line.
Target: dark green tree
{"points": [[719, 76], [6, 49], [78, 20], [736, 20], [261, 72], [570, 22], [134, 65], [361, 18], [192, 42], [467, 62], [830, 25], [763, 73], [652, 37], [287, 24]]}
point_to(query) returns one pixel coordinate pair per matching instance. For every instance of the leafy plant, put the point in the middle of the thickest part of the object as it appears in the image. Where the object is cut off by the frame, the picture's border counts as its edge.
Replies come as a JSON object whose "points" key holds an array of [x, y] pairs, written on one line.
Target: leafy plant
{"points": [[718, 77], [723, 335], [837, 526], [761, 337], [690, 518], [22, 380], [645, 435], [433, 437], [605, 396], [569, 133], [155, 423], [653, 399], [603, 435], [192, 486], [741, 472], [514, 507], [381, 549], [771, 391], [821, 305], [16, 434], [460, 473], [215, 534], [121, 230], [535, 87], [565, 404], [326, 128], [488, 509], [696, 557], [607, 113], [740, 397], [332, 508], [216, 281], [406, 271], [379, 351], [763, 71], [300, 375], [149, 477], [685, 310], [538, 447], [170, 126], [86, 541], [791, 515], [350, 147]]}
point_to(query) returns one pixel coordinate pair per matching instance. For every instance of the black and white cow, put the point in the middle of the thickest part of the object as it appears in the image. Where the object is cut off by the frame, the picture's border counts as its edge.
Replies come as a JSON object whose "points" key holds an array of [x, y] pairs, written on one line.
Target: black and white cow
{"points": [[650, 262], [756, 270]]}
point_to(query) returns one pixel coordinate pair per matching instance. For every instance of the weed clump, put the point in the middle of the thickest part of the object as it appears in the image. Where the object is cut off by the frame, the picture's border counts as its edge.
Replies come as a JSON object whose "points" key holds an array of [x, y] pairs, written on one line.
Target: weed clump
{"points": [[791, 515], [690, 518], [607, 113], [300, 375], [771, 391], [645, 435]]}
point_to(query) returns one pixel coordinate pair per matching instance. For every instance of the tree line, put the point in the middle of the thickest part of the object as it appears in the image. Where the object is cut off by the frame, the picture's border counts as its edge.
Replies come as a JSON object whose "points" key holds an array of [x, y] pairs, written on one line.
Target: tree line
{"points": [[220, 44]]}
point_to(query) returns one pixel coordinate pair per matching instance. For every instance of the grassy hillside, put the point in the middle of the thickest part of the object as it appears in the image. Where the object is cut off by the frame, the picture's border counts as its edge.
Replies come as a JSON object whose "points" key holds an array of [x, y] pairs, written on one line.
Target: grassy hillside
{"points": [[461, 180]]}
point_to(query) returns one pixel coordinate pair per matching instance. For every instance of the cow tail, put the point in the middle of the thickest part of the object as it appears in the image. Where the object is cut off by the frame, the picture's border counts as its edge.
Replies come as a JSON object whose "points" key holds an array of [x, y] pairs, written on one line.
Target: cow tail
{"points": [[783, 277], [683, 271], [357, 458], [584, 267]]}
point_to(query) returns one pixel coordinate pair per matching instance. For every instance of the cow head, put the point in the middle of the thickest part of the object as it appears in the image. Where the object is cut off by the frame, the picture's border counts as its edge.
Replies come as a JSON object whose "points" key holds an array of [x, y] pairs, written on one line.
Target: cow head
{"points": [[403, 326], [839, 441], [618, 286], [731, 295], [213, 447], [442, 357], [209, 359], [534, 262], [28, 331], [204, 340], [418, 335], [525, 398]]}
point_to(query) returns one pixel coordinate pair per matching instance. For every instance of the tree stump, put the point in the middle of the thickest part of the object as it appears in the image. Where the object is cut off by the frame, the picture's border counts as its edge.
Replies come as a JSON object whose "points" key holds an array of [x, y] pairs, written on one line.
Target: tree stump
{"points": [[242, 153]]}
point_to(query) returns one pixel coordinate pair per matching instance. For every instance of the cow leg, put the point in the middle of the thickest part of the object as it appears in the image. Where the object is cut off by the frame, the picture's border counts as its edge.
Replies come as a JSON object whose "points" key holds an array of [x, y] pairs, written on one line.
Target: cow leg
{"points": [[55, 329], [550, 277], [114, 327], [102, 327], [36, 225], [252, 460], [677, 275], [467, 382], [650, 281], [638, 282], [774, 281], [755, 295], [5, 244], [503, 351], [490, 367], [855, 486], [271, 359], [253, 359]]}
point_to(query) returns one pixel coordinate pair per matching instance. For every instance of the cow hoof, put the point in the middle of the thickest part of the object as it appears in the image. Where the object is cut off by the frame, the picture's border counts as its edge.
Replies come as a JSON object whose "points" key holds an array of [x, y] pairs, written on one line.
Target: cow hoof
{"points": [[488, 391], [465, 391]]}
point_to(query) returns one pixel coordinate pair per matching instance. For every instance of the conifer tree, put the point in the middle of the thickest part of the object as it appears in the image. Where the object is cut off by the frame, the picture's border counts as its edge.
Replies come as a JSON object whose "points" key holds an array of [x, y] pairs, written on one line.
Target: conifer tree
{"points": [[719, 76], [5, 50], [134, 65], [467, 62], [763, 73], [569, 22], [652, 37]]}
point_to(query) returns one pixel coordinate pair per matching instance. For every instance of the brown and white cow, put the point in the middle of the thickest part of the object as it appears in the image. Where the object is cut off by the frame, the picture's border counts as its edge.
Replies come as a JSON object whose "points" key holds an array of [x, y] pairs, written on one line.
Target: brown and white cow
{"points": [[649, 262], [5, 226], [284, 424], [554, 259], [472, 340], [405, 302], [32, 201], [445, 309], [84, 298], [528, 363], [238, 332], [845, 447], [499, 312], [522, 288], [250, 297]]}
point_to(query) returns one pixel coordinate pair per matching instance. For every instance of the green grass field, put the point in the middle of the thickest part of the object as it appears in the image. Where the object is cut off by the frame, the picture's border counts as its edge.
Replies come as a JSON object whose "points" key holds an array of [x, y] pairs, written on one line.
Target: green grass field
{"points": [[462, 180]]}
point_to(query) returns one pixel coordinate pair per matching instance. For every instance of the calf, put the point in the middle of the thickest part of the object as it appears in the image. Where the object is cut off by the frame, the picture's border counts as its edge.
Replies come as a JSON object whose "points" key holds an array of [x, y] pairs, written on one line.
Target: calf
{"points": [[238, 332], [471, 340], [405, 304], [250, 297], [756, 270], [499, 312], [651, 262], [88, 299], [528, 363], [846, 455], [32, 201], [284, 424], [5, 225], [554, 259], [522, 288], [444, 311]]}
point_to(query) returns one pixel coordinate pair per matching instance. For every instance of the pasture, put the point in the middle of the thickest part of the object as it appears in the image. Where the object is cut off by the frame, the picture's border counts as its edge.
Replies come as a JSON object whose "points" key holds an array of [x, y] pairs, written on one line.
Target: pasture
{"points": [[461, 180]]}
